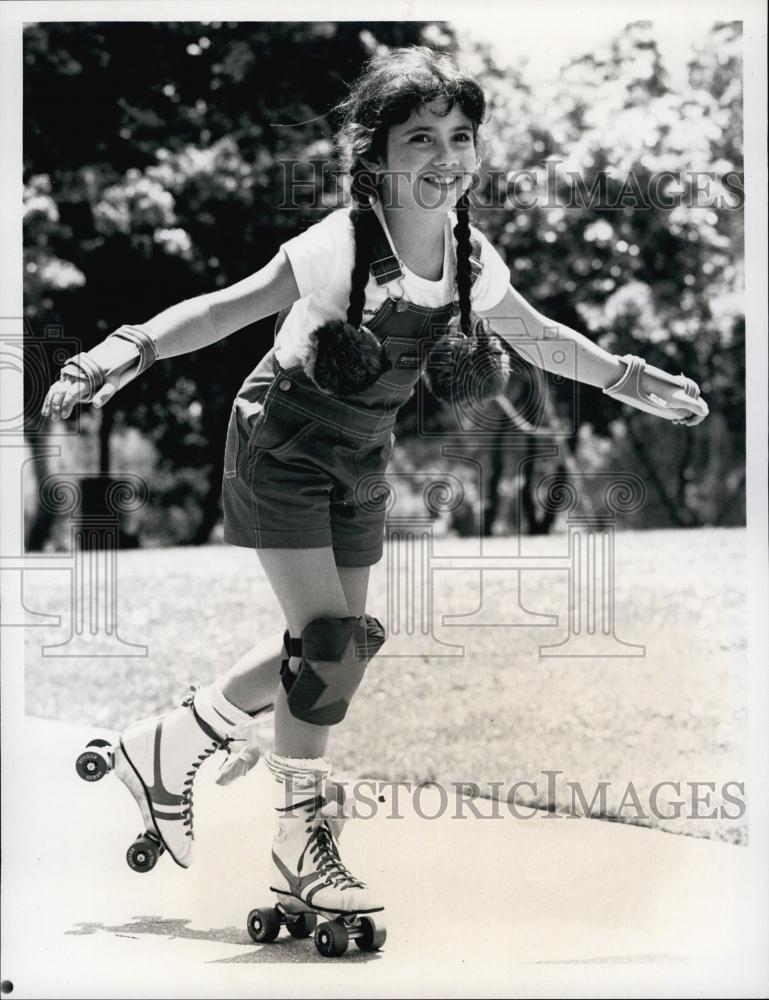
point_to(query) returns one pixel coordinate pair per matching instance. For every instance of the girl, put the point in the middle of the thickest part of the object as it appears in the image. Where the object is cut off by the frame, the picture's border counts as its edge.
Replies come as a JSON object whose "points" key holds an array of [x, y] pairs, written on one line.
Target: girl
{"points": [[357, 293]]}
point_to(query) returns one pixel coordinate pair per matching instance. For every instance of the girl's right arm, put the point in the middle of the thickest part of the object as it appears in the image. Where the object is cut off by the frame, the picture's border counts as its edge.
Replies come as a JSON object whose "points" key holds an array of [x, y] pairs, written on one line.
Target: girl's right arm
{"points": [[187, 326]]}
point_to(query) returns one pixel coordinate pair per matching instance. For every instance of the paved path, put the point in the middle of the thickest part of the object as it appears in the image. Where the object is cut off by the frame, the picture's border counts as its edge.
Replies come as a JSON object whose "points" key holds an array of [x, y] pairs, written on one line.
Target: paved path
{"points": [[475, 907]]}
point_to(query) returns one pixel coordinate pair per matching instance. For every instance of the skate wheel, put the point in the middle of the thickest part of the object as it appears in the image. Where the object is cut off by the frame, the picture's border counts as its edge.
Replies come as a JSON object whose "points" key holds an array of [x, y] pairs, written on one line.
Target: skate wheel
{"points": [[372, 934], [96, 743], [301, 925], [264, 925], [143, 854], [331, 938], [92, 765]]}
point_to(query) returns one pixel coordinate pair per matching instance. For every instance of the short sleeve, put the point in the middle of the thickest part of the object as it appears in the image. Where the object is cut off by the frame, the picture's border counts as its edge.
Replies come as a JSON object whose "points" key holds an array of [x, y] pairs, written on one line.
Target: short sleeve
{"points": [[318, 254], [493, 281]]}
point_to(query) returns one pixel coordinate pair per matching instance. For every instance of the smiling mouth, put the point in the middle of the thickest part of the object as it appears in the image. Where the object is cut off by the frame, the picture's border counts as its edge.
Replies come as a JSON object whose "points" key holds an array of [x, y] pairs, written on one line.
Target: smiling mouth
{"points": [[441, 182]]}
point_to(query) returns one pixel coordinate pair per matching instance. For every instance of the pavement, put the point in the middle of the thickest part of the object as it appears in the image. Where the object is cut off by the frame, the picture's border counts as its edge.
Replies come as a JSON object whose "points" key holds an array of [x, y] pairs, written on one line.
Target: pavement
{"points": [[499, 906]]}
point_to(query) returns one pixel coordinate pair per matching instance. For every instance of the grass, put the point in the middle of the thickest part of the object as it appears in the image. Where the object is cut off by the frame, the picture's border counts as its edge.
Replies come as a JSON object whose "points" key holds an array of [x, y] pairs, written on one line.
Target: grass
{"points": [[498, 712]]}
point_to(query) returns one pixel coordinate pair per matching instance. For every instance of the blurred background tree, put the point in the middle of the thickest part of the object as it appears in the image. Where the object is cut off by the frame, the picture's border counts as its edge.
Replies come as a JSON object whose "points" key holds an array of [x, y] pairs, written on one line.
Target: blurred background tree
{"points": [[664, 283], [155, 165]]}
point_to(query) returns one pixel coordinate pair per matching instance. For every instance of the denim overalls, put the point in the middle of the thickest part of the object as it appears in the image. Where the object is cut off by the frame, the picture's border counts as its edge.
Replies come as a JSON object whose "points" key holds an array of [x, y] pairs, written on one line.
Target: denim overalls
{"points": [[304, 469]]}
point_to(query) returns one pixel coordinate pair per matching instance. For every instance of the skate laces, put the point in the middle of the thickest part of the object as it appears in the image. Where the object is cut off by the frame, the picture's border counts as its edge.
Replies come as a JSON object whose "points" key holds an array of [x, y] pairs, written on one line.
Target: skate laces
{"points": [[324, 852], [217, 743], [323, 816]]}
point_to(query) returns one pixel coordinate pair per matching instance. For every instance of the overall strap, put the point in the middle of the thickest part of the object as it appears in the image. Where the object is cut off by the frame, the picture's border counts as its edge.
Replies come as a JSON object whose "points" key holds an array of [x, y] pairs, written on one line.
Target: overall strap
{"points": [[384, 266]]}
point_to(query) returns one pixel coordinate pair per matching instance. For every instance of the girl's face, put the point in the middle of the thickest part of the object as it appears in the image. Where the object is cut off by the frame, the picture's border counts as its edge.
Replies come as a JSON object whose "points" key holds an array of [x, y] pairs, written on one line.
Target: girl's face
{"points": [[429, 161]]}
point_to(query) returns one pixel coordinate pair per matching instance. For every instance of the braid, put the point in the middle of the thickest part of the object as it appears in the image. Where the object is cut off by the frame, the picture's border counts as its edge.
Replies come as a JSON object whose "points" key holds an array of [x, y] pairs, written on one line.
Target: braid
{"points": [[344, 358], [464, 275], [476, 368], [359, 216]]}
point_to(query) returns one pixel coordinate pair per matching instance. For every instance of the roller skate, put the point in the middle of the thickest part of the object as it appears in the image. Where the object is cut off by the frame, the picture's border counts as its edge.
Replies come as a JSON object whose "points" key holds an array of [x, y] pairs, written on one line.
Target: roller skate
{"points": [[310, 881], [158, 759]]}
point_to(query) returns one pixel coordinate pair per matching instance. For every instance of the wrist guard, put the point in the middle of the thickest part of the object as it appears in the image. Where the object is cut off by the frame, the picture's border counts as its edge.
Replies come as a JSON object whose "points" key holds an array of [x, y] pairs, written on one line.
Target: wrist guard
{"points": [[629, 390], [85, 367]]}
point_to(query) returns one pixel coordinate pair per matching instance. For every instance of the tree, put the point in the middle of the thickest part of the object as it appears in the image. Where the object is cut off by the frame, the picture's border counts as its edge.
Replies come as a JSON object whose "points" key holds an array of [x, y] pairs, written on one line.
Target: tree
{"points": [[601, 252], [171, 189], [174, 188]]}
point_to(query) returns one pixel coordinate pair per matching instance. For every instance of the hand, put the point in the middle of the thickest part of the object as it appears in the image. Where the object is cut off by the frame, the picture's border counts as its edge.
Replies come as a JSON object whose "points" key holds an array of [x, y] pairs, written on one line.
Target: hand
{"points": [[65, 393], [695, 410]]}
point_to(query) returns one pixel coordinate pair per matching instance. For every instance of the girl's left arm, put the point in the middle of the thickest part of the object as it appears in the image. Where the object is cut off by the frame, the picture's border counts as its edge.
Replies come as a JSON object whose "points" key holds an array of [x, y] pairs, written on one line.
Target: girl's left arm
{"points": [[541, 341]]}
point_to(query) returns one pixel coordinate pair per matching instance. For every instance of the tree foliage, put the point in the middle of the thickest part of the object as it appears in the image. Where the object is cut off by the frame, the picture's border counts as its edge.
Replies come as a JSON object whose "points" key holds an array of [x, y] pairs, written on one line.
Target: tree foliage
{"points": [[155, 170], [636, 238]]}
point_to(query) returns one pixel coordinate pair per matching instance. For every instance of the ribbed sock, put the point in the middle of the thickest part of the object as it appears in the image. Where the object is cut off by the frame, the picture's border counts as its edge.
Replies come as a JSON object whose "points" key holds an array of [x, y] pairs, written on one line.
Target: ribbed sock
{"points": [[298, 780]]}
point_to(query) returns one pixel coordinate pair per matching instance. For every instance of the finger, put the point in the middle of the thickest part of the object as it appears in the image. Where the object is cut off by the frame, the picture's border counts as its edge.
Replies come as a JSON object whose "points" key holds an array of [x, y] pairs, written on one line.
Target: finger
{"points": [[72, 396], [57, 397], [46, 407], [700, 406], [698, 414], [57, 393], [104, 395], [690, 404]]}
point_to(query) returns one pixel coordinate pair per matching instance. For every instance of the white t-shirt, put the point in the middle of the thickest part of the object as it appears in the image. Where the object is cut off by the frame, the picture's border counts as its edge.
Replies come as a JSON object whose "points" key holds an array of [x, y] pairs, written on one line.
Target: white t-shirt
{"points": [[322, 259]]}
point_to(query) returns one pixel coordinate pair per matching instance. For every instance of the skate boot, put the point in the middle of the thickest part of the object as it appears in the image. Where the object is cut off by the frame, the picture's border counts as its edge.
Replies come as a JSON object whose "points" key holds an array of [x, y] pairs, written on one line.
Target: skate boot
{"points": [[309, 878], [158, 760]]}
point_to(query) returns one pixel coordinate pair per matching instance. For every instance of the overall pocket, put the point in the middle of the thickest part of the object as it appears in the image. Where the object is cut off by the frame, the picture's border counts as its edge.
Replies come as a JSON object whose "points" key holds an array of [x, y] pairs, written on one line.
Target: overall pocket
{"points": [[278, 430]]}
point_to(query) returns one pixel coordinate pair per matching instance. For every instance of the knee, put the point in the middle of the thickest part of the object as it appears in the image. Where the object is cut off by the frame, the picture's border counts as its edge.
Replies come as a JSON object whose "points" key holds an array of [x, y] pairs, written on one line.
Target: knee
{"points": [[334, 655], [349, 639]]}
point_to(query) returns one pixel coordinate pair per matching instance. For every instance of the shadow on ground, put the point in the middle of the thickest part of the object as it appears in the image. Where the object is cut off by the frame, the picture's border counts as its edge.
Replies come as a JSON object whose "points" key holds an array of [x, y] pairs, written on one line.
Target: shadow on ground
{"points": [[284, 949]]}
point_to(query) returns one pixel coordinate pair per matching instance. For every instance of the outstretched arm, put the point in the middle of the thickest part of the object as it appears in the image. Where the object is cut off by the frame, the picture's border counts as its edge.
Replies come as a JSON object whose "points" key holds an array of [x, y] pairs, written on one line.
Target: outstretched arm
{"points": [[201, 321], [541, 341], [187, 326]]}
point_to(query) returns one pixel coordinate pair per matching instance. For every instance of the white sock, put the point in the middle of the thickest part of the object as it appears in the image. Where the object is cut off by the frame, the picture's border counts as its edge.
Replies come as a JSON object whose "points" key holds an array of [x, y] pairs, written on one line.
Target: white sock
{"points": [[218, 711], [298, 780]]}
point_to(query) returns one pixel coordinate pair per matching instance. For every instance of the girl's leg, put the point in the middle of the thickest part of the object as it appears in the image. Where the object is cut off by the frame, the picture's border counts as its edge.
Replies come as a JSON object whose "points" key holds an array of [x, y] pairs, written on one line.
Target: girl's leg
{"points": [[250, 683], [158, 758], [307, 870], [308, 585]]}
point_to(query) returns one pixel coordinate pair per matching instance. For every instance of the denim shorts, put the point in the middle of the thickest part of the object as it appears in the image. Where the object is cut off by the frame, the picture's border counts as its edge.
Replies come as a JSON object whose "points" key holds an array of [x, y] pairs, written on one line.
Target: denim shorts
{"points": [[299, 472]]}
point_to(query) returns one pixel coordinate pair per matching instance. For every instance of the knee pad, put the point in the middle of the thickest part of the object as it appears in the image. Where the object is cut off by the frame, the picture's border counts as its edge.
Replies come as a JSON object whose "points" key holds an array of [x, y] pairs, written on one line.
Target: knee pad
{"points": [[335, 653]]}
